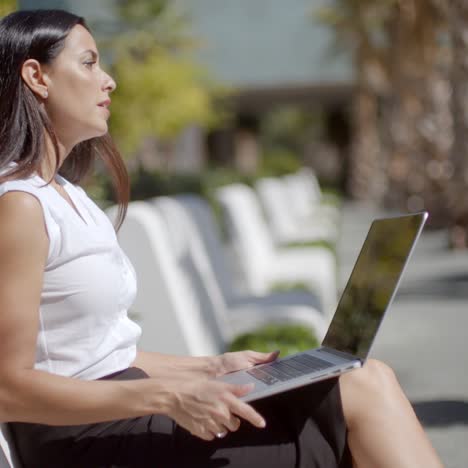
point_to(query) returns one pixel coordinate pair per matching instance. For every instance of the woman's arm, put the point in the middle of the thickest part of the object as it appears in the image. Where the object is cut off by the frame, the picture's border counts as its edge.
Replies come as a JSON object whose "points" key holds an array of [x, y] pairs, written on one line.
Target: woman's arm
{"points": [[157, 364], [27, 394], [202, 406]]}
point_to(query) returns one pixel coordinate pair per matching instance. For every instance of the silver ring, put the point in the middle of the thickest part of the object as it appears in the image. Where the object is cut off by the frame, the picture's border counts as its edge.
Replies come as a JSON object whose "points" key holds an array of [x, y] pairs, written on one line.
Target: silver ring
{"points": [[220, 435]]}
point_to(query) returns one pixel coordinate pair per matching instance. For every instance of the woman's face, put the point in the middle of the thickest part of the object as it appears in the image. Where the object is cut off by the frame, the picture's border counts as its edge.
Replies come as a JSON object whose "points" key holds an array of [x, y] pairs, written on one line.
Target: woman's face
{"points": [[78, 90]]}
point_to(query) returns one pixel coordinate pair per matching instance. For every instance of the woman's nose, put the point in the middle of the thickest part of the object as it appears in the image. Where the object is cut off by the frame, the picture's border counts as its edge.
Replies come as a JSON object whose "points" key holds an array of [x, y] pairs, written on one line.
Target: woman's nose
{"points": [[109, 83]]}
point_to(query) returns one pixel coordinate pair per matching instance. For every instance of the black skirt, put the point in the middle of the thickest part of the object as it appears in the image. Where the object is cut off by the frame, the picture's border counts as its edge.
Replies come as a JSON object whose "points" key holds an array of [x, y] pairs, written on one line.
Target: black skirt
{"points": [[305, 429]]}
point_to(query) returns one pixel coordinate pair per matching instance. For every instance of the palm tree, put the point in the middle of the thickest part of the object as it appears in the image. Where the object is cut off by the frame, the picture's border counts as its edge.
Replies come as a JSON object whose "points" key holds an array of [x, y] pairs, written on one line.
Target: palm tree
{"points": [[457, 189], [401, 76], [417, 115], [359, 23]]}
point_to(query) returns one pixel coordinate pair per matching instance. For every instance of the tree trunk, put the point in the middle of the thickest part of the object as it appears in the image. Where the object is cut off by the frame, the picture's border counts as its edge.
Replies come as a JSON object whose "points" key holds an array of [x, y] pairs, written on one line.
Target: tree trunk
{"points": [[366, 180], [418, 119], [457, 193]]}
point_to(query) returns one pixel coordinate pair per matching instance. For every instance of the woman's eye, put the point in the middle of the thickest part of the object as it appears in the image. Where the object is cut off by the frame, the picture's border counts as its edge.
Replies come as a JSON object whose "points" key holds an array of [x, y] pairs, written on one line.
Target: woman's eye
{"points": [[89, 64]]}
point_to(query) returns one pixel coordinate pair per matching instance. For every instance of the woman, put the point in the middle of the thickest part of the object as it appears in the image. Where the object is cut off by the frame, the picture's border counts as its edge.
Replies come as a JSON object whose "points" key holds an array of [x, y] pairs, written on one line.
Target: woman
{"points": [[72, 384]]}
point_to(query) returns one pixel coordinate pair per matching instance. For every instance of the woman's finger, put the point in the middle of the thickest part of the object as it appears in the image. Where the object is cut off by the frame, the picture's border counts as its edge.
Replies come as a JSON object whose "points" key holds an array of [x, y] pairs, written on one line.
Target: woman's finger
{"points": [[216, 427], [245, 411], [228, 421], [222, 420], [233, 423], [203, 433], [258, 357], [240, 390]]}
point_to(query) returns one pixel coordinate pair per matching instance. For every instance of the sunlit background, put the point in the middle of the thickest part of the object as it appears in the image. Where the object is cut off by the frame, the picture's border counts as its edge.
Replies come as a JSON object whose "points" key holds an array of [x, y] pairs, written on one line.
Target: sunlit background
{"points": [[371, 95]]}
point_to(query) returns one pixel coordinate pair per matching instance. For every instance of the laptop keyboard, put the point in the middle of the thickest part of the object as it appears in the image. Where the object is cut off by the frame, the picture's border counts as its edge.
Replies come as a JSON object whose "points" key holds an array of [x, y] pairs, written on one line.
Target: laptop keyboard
{"points": [[289, 368]]}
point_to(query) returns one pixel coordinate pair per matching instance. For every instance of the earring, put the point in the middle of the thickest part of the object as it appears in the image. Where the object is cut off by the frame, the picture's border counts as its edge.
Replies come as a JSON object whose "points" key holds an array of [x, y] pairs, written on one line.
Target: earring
{"points": [[45, 94]]}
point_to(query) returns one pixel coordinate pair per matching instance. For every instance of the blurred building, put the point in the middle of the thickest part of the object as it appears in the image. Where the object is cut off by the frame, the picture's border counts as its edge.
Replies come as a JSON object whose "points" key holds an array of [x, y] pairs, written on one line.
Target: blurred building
{"points": [[271, 52], [90, 9]]}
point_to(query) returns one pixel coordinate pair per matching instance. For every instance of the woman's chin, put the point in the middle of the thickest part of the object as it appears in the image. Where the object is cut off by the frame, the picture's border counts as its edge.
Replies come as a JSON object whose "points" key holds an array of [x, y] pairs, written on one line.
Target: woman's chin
{"points": [[91, 135], [103, 132], [99, 131]]}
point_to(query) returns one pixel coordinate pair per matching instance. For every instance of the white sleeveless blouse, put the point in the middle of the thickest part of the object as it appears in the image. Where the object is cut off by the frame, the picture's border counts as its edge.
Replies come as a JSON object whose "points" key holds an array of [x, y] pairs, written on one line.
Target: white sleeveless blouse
{"points": [[88, 286]]}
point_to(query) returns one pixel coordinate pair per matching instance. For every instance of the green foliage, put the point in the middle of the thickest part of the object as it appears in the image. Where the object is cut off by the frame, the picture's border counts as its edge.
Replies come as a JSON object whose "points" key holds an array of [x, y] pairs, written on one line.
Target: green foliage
{"points": [[139, 12], [289, 127], [7, 6], [160, 96], [279, 161], [288, 339], [99, 188], [285, 286], [147, 184], [332, 197], [160, 91], [165, 25], [356, 22], [152, 184], [317, 243], [285, 132], [286, 135]]}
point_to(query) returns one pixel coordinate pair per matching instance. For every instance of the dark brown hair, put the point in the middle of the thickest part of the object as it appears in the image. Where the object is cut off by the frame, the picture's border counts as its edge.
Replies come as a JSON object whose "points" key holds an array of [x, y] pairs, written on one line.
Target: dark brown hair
{"points": [[41, 35]]}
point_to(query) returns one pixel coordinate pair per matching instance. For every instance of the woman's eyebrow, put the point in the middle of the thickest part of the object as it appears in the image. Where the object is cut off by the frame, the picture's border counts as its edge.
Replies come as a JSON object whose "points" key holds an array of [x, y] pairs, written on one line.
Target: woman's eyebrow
{"points": [[93, 53]]}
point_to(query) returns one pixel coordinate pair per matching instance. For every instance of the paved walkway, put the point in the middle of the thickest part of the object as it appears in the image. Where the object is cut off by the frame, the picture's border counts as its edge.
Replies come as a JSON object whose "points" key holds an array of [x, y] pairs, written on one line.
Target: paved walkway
{"points": [[425, 335]]}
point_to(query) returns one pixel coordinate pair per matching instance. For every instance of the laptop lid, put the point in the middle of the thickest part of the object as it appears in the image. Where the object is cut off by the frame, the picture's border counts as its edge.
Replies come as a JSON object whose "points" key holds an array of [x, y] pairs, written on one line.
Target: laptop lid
{"points": [[373, 283]]}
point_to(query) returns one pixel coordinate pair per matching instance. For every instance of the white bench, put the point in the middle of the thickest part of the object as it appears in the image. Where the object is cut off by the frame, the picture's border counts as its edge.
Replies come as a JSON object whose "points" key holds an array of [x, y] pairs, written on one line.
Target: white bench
{"points": [[263, 263], [8, 457], [166, 305], [232, 319], [278, 202], [226, 275], [307, 199]]}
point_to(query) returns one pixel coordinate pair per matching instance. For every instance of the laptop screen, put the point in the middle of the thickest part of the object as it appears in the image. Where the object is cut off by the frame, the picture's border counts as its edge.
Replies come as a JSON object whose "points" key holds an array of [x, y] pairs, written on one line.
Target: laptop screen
{"points": [[372, 283]]}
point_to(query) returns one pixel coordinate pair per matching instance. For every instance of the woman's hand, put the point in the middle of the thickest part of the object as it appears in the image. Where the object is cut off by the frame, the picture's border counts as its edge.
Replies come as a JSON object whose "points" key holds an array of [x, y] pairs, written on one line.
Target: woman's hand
{"points": [[209, 407], [230, 362], [157, 364]]}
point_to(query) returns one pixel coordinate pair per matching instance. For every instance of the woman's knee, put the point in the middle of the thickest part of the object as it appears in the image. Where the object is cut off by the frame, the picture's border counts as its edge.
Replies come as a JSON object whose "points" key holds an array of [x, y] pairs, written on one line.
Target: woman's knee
{"points": [[374, 385], [377, 375]]}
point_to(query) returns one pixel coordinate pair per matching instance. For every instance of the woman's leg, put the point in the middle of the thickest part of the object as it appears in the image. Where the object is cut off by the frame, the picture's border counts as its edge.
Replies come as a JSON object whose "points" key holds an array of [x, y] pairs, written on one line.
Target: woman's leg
{"points": [[383, 428], [305, 429]]}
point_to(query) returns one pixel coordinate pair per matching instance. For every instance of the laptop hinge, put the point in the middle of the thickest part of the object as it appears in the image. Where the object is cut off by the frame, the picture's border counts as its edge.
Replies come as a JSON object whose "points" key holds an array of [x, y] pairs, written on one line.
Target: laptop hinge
{"points": [[341, 354]]}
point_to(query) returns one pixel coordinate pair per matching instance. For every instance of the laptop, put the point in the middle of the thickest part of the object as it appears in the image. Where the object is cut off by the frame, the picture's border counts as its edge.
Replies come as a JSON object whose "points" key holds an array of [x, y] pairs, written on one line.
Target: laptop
{"points": [[365, 300]]}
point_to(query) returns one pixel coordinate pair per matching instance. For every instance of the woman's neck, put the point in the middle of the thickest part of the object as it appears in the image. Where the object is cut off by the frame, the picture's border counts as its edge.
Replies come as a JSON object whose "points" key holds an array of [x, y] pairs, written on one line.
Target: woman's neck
{"points": [[49, 165]]}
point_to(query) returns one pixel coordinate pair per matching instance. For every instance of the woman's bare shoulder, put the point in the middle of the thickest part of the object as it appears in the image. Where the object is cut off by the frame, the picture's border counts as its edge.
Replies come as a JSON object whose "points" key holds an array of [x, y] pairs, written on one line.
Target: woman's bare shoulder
{"points": [[21, 205], [22, 219]]}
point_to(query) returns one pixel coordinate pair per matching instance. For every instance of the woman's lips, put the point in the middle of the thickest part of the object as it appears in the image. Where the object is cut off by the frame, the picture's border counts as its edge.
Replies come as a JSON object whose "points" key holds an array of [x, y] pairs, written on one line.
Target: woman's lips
{"points": [[105, 103], [105, 109]]}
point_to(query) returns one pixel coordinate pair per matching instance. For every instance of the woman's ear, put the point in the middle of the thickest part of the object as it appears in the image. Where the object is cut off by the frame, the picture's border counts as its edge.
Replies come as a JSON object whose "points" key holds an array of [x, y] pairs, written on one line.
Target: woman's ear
{"points": [[34, 78]]}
